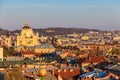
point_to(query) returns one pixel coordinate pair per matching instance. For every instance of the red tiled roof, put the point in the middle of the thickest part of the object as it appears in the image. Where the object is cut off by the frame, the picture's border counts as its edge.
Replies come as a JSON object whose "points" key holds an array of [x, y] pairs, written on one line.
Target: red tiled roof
{"points": [[31, 75], [40, 53], [67, 53], [94, 59], [27, 52], [85, 55], [68, 75]]}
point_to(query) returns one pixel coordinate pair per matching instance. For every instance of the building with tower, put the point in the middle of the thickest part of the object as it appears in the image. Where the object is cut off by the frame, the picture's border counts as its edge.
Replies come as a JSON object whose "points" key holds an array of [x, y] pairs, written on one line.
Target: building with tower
{"points": [[27, 43], [27, 37]]}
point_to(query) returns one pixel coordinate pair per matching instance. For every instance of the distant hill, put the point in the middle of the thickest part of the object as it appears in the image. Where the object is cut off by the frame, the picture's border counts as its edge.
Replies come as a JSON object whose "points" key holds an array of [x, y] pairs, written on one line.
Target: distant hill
{"points": [[60, 31], [4, 32], [53, 31]]}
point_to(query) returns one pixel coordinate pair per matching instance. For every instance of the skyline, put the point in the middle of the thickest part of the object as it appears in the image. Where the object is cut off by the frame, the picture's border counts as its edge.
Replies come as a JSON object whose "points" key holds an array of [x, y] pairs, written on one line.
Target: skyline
{"points": [[91, 14]]}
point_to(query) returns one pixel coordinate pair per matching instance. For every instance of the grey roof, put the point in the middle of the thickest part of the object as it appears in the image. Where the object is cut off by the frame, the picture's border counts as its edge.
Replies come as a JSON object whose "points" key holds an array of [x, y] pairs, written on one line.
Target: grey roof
{"points": [[44, 46], [115, 67]]}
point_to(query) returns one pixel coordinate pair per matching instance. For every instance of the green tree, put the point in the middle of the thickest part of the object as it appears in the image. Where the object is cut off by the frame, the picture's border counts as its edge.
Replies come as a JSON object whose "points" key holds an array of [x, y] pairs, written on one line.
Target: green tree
{"points": [[8, 51], [5, 51], [11, 51], [16, 74], [6, 75], [115, 51]]}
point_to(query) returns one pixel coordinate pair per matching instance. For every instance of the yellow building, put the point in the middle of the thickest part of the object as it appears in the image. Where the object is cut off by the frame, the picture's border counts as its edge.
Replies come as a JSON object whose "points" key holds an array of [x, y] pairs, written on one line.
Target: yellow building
{"points": [[8, 41], [27, 37], [1, 54], [44, 48], [5, 40], [84, 38]]}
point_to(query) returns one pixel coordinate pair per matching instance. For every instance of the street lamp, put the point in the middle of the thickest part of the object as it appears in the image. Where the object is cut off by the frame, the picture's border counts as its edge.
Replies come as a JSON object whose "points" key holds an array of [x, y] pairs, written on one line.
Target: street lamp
{"points": [[42, 73]]}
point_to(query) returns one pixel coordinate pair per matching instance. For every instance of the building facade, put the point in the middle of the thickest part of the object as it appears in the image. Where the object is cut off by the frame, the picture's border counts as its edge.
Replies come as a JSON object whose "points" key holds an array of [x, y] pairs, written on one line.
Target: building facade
{"points": [[1, 54], [27, 37]]}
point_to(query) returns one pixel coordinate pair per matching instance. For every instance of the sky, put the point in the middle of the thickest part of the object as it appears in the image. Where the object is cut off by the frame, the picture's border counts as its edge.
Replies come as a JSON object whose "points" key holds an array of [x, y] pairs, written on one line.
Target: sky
{"points": [[91, 14]]}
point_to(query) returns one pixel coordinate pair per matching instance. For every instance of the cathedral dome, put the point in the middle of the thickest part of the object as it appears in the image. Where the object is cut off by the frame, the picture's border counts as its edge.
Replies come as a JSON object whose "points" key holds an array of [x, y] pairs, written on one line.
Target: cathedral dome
{"points": [[26, 26], [27, 30]]}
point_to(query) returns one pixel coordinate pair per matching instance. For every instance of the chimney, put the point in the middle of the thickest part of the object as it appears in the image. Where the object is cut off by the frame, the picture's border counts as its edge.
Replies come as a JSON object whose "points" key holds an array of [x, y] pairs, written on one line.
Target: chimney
{"points": [[33, 74], [23, 71], [78, 66], [64, 70], [75, 65], [64, 65], [69, 65], [58, 70], [71, 70], [53, 71], [61, 65], [89, 58]]}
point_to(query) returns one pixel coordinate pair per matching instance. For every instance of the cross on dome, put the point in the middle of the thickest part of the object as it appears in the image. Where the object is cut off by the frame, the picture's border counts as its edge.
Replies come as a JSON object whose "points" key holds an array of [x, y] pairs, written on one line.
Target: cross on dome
{"points": [[26, 23]]}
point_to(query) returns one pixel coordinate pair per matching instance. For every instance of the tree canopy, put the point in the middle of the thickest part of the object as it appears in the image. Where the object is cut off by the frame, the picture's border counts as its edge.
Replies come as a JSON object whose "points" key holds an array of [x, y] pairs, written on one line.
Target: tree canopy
{"points": [[15, 74]]}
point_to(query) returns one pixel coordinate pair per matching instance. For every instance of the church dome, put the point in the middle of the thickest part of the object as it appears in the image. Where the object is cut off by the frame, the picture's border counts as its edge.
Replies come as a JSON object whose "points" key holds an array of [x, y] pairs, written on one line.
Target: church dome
{"points": [[27, 37], [26, 26], [27, 30]]}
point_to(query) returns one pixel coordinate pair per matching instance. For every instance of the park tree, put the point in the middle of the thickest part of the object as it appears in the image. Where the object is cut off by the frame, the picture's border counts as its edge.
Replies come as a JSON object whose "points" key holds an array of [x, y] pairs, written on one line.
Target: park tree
{"points": [[5, 51], [115, 51], [8, 51], [6, 77], [11, 51], [15, 74]]}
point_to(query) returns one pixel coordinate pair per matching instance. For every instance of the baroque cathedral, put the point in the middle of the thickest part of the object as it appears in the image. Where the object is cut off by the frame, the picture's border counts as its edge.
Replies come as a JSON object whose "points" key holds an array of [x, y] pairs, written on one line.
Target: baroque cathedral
{"points": [[27, 42], [27, 37]]}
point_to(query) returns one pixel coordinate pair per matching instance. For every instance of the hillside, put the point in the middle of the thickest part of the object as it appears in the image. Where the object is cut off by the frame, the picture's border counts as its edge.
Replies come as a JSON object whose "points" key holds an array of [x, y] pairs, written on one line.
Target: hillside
{"points": [[60, 31], [52, 31]]}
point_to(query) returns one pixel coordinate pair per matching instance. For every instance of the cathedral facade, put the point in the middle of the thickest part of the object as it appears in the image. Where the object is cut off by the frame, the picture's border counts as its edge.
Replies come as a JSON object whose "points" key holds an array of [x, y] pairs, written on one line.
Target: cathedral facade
{"points": [[27, 37], [27, 42]]}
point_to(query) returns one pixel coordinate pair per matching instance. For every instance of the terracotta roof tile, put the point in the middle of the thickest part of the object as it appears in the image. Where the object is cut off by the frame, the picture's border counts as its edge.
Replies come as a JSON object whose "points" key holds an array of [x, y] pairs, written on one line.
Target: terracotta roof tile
{"points": [[27, 52], [94, 59], [68, 75]]}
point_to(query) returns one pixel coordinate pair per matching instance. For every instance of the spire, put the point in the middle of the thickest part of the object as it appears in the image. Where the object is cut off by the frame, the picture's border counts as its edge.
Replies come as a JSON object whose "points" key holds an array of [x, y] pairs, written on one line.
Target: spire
{"points": [[26, 26], [26, 23]]}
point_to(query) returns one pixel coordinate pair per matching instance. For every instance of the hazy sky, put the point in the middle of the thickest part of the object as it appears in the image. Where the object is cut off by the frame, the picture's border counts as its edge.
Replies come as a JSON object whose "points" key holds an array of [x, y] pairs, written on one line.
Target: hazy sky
{"points": [[95, 14]]}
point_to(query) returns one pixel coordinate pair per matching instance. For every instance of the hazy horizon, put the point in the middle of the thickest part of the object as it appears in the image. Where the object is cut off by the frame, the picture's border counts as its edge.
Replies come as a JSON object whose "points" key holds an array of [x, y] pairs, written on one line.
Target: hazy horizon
{"points": [[89, 14], [60, 27]]}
